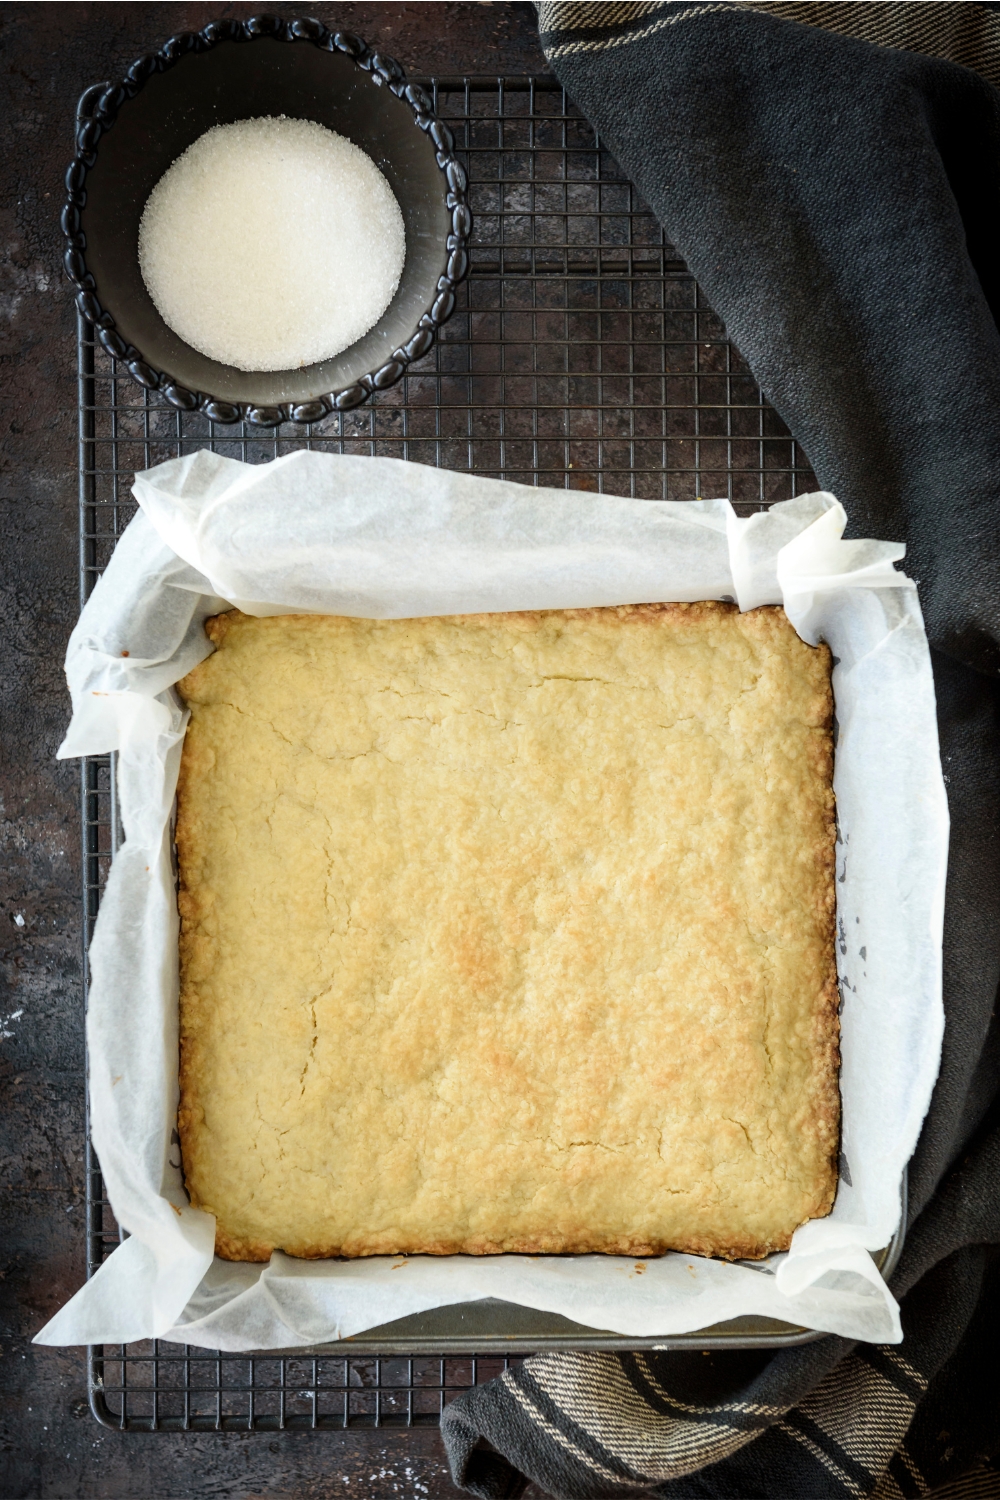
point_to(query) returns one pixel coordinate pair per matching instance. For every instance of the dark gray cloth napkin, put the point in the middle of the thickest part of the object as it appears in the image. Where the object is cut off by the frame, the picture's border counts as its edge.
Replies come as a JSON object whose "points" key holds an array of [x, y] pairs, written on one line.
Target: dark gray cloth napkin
{"points": [[831, 175]]}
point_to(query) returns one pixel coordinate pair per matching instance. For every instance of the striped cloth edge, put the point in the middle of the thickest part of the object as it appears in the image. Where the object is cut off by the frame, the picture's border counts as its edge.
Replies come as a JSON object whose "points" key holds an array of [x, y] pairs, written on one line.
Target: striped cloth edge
{"points": [[967, 34], [618, 1430], [612, 1416]]}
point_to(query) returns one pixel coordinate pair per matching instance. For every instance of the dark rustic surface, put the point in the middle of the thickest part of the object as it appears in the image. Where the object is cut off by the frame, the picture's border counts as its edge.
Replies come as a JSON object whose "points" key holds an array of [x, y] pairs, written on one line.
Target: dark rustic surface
{"points": [[50, 1444]]}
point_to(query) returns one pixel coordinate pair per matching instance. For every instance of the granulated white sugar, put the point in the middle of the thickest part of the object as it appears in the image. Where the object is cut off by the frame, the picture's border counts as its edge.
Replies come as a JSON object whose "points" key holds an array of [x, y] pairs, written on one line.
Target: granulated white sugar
{"points": [[271, 244]]}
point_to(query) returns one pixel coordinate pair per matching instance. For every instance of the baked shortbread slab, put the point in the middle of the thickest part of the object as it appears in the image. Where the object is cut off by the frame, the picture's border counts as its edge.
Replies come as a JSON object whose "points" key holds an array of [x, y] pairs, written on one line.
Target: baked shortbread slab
{"points": [[509, 932]]}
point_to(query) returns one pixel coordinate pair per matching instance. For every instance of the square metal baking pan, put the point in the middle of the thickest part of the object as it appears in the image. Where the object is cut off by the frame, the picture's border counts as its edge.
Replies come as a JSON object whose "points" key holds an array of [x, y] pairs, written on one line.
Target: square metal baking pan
{"points": [[582, 354]]}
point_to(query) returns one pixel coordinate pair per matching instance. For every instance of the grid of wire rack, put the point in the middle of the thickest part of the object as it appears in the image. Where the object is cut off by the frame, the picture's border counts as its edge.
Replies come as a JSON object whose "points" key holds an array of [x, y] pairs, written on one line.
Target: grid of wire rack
{"points": [[582, 355]]}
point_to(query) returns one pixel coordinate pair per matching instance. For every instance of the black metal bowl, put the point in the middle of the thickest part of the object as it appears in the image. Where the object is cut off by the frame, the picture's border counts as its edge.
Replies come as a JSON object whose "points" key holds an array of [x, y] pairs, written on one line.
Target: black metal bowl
{"points": [[129, 133]]}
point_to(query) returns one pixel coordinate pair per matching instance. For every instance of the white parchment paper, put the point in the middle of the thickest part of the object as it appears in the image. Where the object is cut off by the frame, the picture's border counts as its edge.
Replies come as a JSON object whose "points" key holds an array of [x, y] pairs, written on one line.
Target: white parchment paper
{"points": [[378, 538]]}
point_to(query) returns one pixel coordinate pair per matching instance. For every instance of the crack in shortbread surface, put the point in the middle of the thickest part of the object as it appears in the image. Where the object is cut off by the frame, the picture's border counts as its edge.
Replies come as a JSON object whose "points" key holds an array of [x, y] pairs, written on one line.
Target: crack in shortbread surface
{"points": [[508, 933]]}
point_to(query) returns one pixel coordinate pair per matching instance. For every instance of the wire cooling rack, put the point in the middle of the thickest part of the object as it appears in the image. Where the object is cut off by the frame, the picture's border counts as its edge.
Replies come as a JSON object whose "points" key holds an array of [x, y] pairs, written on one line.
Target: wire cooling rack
{"points": [[582, 354]]}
